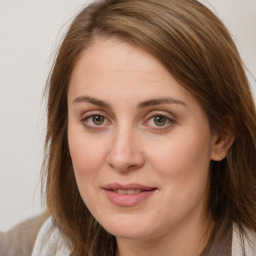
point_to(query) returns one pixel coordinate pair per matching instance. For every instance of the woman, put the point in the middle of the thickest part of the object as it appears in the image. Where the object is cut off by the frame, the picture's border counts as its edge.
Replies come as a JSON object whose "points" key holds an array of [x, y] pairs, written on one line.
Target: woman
{"points": [[150, 147]]}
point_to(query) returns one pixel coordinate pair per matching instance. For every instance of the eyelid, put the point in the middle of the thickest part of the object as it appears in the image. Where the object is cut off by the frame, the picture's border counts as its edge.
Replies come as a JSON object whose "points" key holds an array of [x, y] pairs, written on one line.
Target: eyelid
{"points": [[89, 113], [161, 113]]}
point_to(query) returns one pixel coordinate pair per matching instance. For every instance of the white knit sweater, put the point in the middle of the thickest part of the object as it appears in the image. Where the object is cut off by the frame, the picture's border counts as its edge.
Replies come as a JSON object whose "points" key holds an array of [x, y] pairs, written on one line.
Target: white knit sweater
{"points": [[53, 245]]}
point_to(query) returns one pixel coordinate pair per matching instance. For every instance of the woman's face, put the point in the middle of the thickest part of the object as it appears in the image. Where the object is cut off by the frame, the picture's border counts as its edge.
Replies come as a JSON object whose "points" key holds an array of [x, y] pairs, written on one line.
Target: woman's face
{"points": [[140, 143]]}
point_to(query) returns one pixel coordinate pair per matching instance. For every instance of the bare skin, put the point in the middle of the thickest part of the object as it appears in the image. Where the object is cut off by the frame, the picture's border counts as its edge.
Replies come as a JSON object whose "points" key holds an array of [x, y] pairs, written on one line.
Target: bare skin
{"points": [[131, 124]]}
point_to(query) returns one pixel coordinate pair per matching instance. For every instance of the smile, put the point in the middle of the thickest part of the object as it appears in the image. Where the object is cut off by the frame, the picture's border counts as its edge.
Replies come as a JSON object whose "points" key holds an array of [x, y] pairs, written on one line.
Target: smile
{"points": [[127, 192], [128, 195]]}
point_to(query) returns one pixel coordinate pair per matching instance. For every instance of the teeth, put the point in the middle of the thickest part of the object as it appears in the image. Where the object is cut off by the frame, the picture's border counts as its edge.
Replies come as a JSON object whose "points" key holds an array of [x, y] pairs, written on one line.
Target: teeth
{"points": [[128, 191], [121, 191], [133, 191]]}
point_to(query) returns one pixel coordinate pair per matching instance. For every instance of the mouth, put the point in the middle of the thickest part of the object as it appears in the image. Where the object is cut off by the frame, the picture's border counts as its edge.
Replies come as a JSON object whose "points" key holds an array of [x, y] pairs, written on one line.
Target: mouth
{"points": [[127, 192], [128, 195]]}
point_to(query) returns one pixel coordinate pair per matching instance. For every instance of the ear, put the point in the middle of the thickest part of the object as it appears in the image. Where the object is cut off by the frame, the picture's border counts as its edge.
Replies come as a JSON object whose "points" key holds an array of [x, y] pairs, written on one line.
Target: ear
{"points": [[222, 141]]}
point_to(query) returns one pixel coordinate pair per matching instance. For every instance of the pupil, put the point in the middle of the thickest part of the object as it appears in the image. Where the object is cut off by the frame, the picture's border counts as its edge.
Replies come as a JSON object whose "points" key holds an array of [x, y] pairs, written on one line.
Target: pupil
{"points": [[98, 120], [160, 120]]}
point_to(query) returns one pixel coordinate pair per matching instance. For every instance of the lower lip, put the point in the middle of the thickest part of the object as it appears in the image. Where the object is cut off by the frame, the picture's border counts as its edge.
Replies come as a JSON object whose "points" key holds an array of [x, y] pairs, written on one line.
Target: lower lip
{"points": [[128, 200]]}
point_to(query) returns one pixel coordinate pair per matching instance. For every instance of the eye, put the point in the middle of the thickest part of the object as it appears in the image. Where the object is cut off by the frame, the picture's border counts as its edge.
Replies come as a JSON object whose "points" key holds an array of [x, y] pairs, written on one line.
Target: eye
{"points": [[160, 121], [97, 119], [94, 120]]}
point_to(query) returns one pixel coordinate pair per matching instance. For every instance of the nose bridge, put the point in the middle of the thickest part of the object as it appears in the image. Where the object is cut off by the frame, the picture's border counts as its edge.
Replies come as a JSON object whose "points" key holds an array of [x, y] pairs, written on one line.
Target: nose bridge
{"points": [[125, 153], [123, 138]]}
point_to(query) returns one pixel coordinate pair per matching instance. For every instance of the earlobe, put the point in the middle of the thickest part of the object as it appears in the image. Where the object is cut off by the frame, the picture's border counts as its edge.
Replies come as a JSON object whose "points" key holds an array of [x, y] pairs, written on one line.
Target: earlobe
{"points": [[222, 142]]}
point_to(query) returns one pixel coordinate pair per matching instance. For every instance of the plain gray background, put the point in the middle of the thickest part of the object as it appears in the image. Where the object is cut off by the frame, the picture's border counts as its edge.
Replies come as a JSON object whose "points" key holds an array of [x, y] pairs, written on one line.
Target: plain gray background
{"points": [[29, 33]]}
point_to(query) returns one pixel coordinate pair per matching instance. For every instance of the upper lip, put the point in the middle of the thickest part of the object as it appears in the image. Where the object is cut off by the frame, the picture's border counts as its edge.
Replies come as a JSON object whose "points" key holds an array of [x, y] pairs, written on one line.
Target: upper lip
{"points": [[130, 186]]}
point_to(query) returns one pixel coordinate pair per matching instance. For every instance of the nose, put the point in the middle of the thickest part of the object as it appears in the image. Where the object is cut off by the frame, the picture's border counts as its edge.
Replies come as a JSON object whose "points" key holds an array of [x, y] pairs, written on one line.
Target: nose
{"points": [[125, 153]]}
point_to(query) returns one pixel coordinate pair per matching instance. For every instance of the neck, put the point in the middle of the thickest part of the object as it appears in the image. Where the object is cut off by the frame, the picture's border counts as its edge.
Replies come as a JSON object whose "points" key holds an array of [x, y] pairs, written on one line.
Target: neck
{"points": [[187, 239]]}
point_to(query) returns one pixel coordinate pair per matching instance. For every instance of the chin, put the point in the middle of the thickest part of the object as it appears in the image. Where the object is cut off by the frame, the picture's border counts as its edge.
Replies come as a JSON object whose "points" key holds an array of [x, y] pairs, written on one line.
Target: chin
{"points": [[134, 234], [129, 229]]}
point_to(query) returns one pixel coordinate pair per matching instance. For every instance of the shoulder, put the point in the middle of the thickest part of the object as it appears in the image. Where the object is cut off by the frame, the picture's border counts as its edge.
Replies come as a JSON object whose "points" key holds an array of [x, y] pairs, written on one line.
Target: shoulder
{"points": [[20, 239], [49, 241], [248, 240]]}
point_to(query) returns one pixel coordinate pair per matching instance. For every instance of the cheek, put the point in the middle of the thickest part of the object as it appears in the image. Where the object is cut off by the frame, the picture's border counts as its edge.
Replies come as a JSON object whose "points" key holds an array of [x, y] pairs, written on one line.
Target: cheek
{"points": [[87, 156], [183, 163]]}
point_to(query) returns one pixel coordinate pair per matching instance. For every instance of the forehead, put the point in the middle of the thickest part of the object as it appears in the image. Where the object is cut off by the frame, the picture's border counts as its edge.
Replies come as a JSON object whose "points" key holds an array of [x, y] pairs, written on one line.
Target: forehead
{"points": [[113, 54], [112, 62]]}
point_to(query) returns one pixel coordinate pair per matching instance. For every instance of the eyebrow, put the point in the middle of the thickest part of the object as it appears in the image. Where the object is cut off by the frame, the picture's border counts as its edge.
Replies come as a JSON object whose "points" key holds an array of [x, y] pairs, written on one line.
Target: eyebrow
{"points": [[144, 104], [91, 100], [160, 101]]}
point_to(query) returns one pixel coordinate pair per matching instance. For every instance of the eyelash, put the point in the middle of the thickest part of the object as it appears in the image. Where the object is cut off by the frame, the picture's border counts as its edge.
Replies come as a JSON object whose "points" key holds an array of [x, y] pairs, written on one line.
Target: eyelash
{"points": [[89, 123], [168, 121]]}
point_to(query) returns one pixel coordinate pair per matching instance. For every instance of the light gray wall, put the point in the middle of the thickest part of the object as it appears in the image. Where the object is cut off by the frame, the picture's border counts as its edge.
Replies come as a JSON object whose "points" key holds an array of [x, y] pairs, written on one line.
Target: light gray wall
{"points": [[29, 30]]}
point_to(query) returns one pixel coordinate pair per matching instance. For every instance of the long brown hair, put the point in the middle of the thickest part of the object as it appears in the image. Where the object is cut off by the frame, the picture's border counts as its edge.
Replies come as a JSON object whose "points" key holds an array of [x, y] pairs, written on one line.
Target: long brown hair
{"points": [[196, 48]]}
